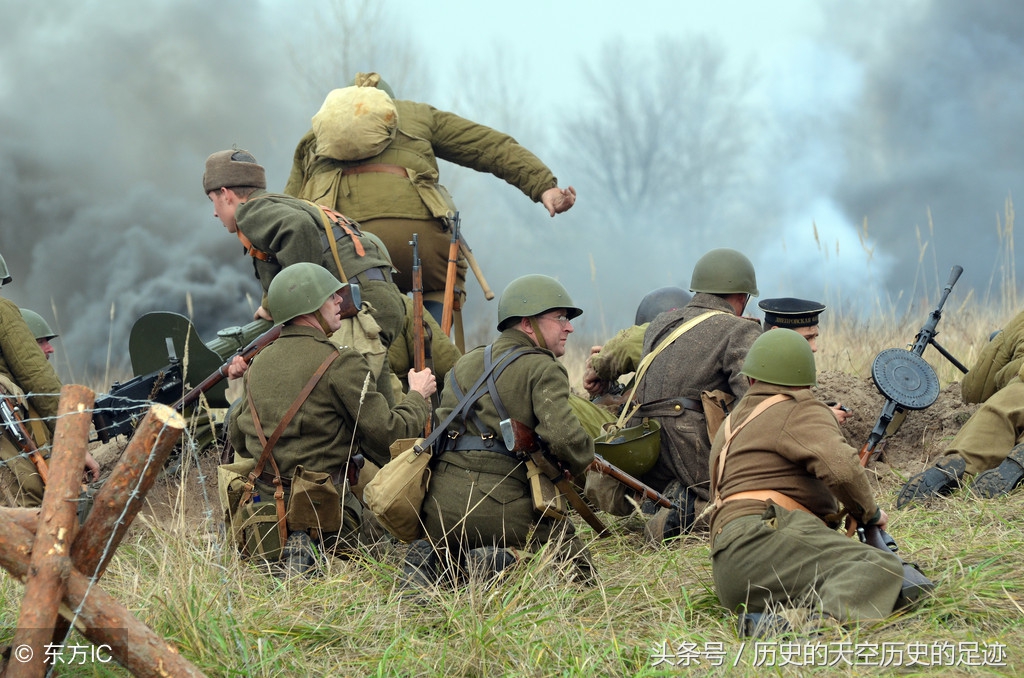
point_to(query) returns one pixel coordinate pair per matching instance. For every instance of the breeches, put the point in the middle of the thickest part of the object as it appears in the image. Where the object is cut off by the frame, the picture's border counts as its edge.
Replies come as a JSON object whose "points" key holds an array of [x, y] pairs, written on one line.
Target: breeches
{"points": [[434, 244], [791, 558], [990, 434]]}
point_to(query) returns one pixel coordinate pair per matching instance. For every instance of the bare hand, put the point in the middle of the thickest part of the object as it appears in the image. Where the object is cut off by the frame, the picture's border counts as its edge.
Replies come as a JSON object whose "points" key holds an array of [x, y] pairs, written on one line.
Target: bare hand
{"points": [[423, 382], [92, 468], [840, 412], [237, 367], [883, 519], [262, 313], [558, 200]]}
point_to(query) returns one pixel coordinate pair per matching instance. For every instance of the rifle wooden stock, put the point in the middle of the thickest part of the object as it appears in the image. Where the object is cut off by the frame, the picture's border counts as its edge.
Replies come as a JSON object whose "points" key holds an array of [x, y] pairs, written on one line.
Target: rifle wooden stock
{"points": [[22, 437], [474, 266], [602, 465], [521, 439], [419, 339], [448, 309], [247, 353]]}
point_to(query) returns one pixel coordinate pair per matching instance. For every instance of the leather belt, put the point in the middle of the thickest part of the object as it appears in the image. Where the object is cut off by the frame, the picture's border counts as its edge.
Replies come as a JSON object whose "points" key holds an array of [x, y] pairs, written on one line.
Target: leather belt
{"points": [[377, 167], [464, 443], [677, 404], [267, 478], [782, 500]]}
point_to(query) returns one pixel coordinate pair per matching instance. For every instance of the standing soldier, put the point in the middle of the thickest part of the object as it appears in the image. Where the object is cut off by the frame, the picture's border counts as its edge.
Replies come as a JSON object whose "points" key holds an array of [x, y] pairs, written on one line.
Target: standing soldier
{"points": [[707, 355], [780, 469], [478, 508], [30, 389], [392, 188], [343, 415], [279, 230]]}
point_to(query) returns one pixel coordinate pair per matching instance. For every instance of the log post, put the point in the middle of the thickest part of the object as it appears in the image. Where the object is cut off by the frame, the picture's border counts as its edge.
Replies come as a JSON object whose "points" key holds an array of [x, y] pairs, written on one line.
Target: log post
{"points": [[119, 500], [101, 619], [50, 564]]}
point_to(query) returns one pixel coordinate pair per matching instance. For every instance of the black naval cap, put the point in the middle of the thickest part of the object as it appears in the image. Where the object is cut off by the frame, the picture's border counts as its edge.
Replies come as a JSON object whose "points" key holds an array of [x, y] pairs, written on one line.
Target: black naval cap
{"points": [[790, 312]]}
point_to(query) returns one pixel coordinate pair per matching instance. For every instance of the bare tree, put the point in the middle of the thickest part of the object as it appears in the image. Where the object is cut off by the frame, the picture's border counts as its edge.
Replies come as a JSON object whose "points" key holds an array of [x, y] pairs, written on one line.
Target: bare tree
{"points": [[665, 133]]}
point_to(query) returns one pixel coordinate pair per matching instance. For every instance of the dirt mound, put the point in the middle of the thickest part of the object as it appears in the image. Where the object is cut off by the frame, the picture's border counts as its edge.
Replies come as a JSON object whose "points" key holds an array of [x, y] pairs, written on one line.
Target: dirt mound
{"points": [[922, 436]]}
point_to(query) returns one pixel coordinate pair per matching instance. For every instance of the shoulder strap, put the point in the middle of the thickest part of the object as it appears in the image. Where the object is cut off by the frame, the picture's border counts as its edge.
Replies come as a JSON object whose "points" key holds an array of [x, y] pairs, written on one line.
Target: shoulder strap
{"points": [[329, 217], [730, 433], [473, 393], [641, 370]]}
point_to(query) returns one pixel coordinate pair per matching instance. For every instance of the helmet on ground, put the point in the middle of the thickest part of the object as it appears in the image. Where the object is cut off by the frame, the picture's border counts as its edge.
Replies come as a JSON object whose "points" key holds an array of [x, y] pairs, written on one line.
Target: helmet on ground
{"points": [[724, 271], [532, 295], [39, 327], [5, 275], [781, 356], [633, 449], [299, 289], [660, 300]]}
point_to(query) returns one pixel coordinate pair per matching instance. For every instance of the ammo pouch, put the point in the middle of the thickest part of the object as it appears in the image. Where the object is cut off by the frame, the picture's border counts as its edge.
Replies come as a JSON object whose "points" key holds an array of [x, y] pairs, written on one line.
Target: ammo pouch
{"points": [[435, 197], [230, 486], [253, 525], [548, 502], [314, 503], [716, 409]]}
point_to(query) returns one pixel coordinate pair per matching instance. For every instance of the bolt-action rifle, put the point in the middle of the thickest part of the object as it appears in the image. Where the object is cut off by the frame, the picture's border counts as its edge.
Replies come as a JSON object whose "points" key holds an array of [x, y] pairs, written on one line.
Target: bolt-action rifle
{"points": [[419, 339], [903, 377], [602, 465], [448, 309], [521, 440], [19, 434]]}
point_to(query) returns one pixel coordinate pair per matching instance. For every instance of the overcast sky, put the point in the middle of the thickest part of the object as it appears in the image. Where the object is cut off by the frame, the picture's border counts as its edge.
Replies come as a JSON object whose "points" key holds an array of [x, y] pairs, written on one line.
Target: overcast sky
{"points": [[887, 146]]}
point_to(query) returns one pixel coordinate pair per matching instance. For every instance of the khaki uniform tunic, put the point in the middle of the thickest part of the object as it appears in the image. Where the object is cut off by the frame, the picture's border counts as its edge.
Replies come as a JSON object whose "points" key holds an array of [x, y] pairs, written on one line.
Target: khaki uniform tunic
{"points": [[482, 498], [391, 205], [26, 367], [763, 554], [994, 380], [709, 356]]}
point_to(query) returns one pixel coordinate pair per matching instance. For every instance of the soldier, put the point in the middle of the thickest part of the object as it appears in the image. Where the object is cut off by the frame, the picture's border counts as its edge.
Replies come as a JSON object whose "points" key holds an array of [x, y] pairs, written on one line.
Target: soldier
{"points": [[801, 316], [40, 330], [279, 230], [30, 386], [989, 444], [343, 415], [395, 193], [478, 508], [706, 357], [778, 481]]}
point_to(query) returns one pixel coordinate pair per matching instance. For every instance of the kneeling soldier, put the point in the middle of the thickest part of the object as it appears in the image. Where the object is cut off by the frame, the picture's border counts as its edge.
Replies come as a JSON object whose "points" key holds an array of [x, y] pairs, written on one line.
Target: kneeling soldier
{"points": [[309, 408], [780, 469]]}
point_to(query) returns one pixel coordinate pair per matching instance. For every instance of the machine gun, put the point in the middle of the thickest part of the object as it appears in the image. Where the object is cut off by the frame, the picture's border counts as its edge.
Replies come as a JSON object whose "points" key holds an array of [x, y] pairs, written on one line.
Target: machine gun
{"points": [[155, 344], [904, 378]]}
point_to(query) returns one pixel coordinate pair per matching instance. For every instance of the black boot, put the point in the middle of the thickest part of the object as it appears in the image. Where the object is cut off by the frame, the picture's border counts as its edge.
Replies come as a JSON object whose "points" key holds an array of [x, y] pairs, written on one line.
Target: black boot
{"points": [[943, 478], [420, 567], [1002, 479]]}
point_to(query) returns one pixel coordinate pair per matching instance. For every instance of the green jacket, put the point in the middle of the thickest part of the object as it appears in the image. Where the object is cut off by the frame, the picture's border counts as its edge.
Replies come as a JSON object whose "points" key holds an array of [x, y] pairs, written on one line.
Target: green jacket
{"points": [[621, 354], [292, 231], [320, 437], [998, 364], [424, 135], [24, 363]]}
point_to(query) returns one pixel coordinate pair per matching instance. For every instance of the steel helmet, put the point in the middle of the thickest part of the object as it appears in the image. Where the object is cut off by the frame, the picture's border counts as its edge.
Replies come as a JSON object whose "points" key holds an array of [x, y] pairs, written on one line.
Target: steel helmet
{"points": [[633, 449], [5, 275], [660, 300], [532, 295], [300, 288], [781, 356], [724, 271], [39, 327]]}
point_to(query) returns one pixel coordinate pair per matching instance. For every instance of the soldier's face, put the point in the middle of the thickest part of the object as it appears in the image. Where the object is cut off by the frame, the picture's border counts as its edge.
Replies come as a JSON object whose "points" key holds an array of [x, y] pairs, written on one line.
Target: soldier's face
{"points": [[811, 335], [224, 208], [331, 311], [556, 327], [46, 347]]}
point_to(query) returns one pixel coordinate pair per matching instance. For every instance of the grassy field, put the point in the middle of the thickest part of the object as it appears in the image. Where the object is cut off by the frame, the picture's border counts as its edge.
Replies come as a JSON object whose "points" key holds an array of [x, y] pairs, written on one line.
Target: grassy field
{"points": [[652, 613]]}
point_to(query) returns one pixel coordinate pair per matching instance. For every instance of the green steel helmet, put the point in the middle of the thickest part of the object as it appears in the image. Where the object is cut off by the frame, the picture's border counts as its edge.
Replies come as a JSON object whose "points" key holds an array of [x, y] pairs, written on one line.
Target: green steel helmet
{"points": [[660, 300], [40, 328], [724, 271], [300, 288], [781, 356], [634, 449], [531, 295], [5, 275]]}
